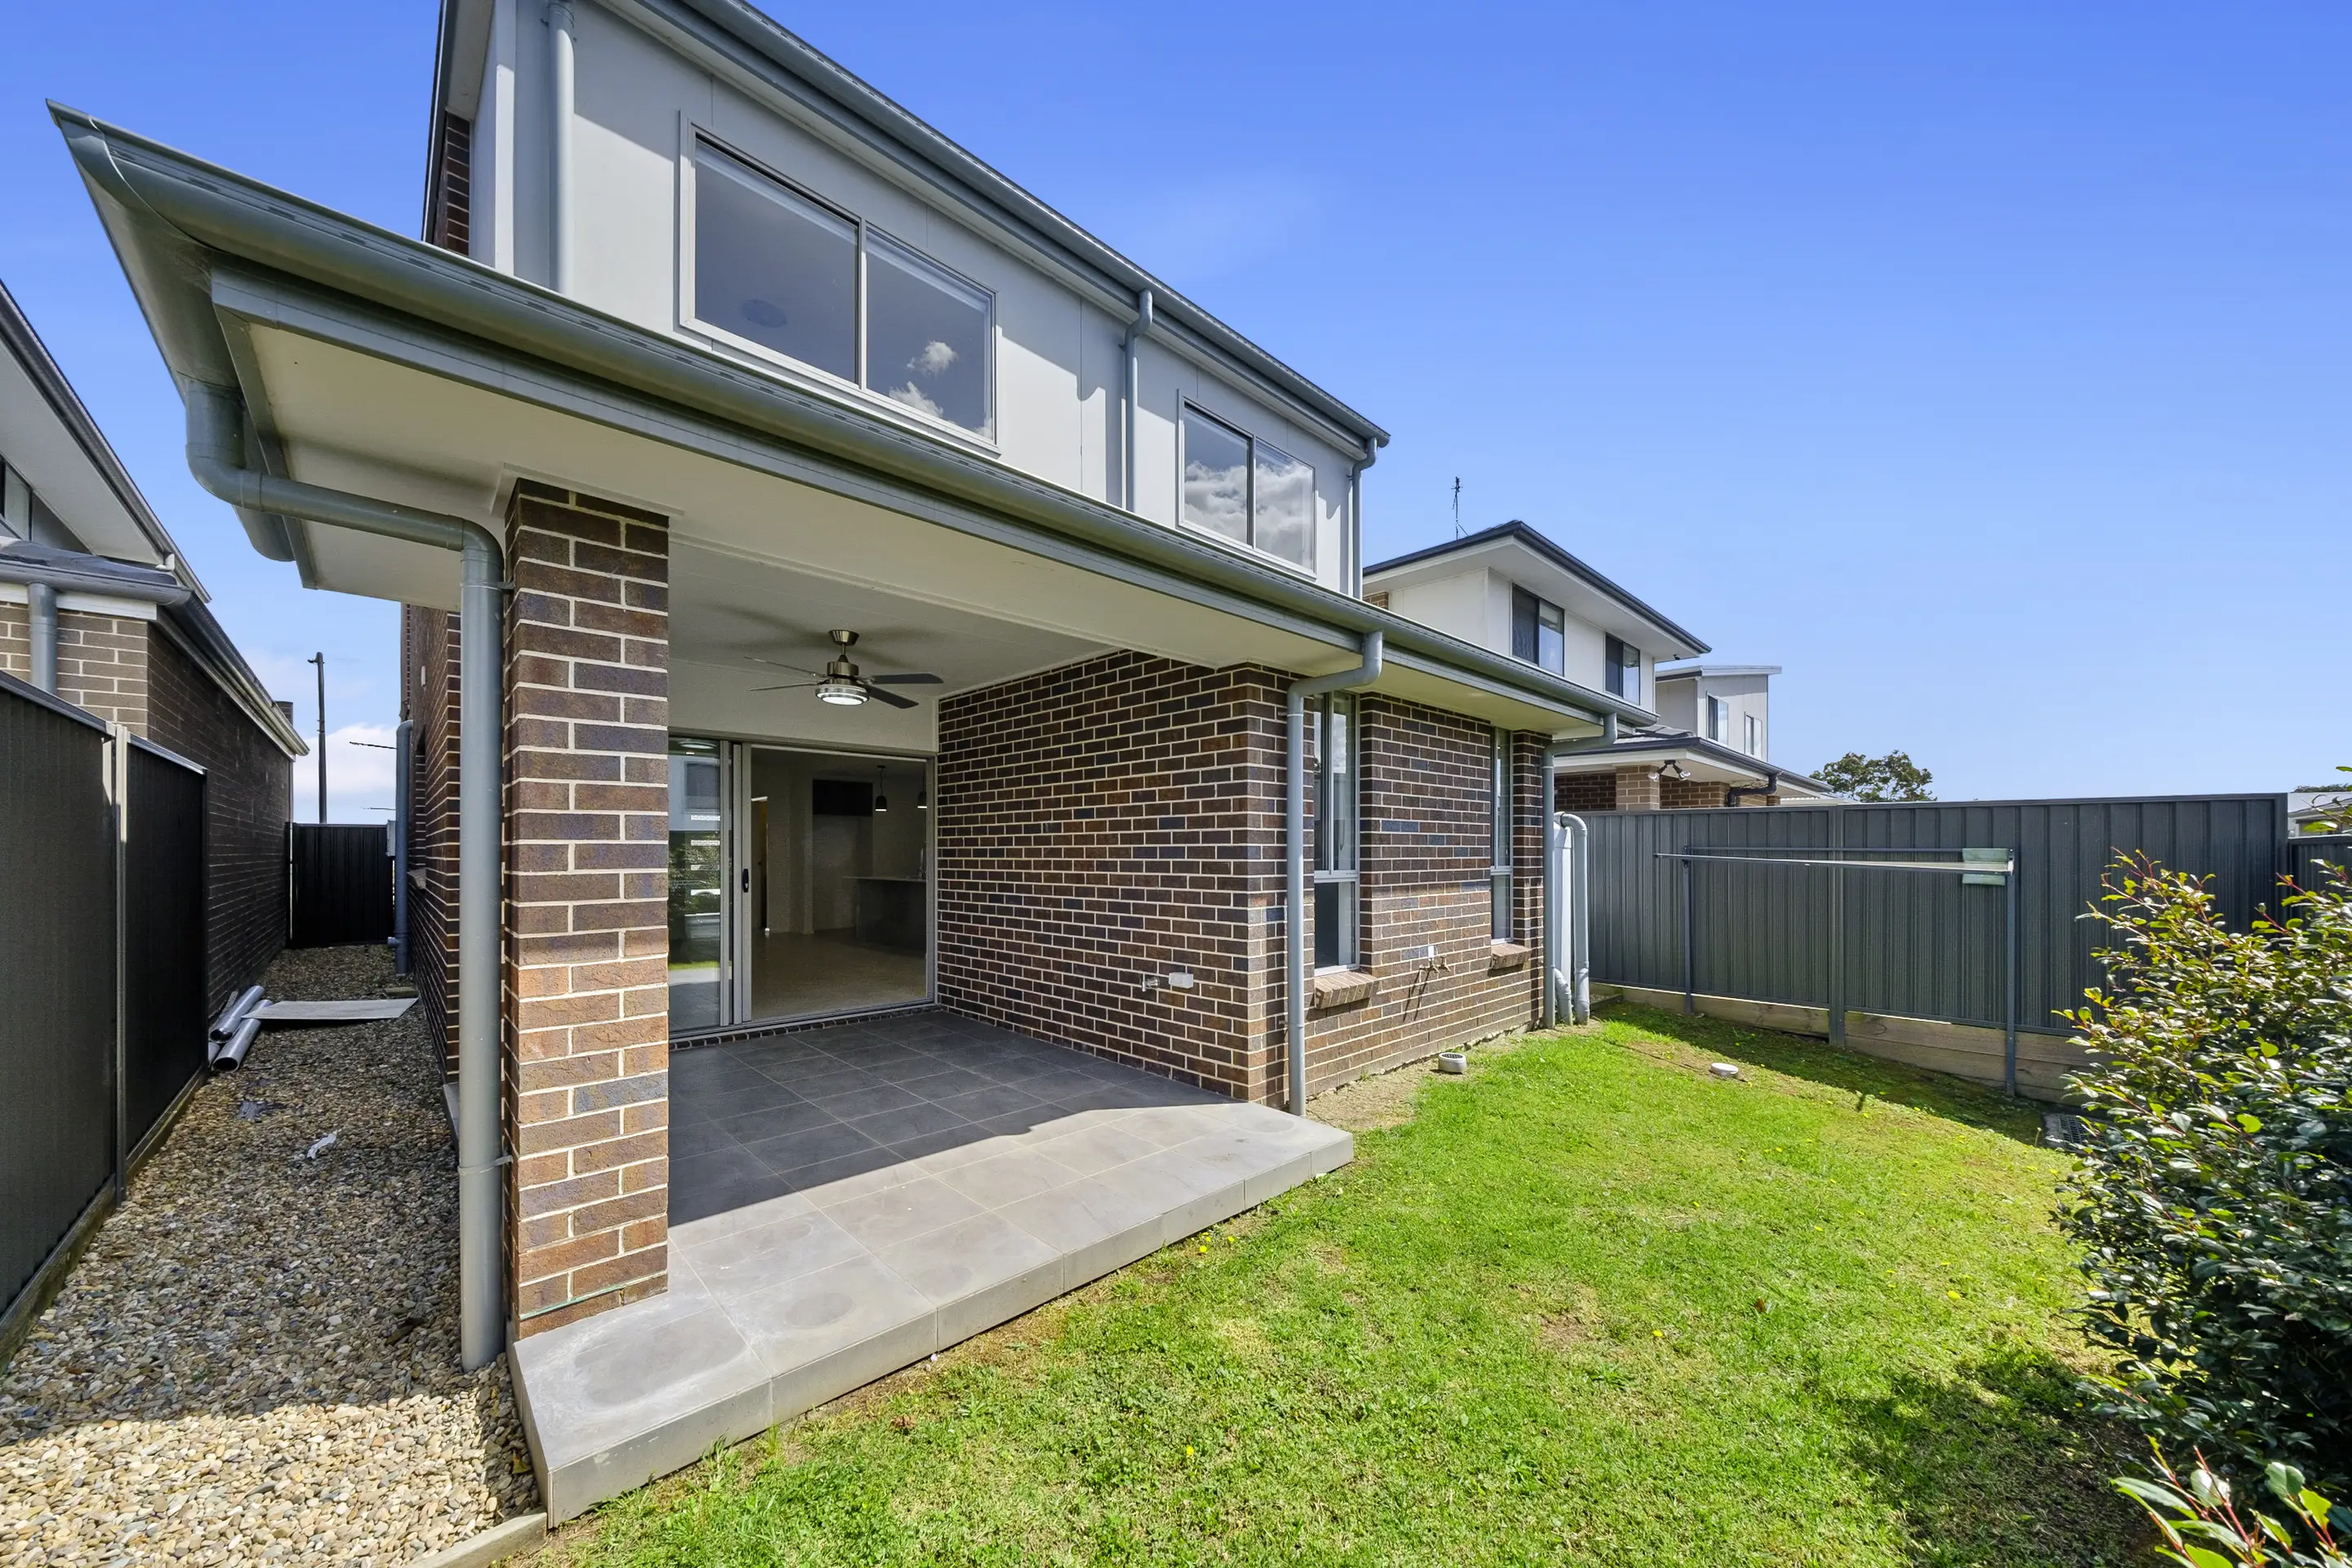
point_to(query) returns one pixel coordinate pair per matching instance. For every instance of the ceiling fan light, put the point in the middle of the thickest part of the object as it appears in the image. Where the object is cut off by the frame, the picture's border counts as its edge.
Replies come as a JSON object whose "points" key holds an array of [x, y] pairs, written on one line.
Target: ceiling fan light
{"points": [[841, 693]]}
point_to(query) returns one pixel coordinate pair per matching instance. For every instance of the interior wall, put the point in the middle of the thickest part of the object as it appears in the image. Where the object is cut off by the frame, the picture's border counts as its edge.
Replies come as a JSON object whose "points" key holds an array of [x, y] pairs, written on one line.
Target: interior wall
{"points": [[810, 857]]}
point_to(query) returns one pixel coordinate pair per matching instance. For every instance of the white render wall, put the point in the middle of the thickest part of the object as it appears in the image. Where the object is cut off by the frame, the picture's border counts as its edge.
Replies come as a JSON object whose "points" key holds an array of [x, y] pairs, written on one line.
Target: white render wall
{"points": [[1682, 703], [1475, 605], [1060, 361]]}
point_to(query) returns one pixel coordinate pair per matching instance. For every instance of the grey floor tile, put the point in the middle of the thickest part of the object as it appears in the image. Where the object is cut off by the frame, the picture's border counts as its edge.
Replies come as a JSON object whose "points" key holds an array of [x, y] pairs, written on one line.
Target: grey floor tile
{"points": [[994, 1099], [962, 1135], [942, 1079], [831, 1077], [1097, 1148], [761, 1256], [827, 1175], [1008, 1177], [687, 1139], [706, 1184], [952, 1263], [899, 1214], [793, 1325], [758, 1126], [850, 1102], [809, 1145], [907, 1122]]}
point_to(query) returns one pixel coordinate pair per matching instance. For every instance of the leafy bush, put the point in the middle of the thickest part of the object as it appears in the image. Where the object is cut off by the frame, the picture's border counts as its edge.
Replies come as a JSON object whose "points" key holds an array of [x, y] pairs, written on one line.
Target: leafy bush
{"points": [[2200, 1514], [1894, 776], [2214, 1199]]}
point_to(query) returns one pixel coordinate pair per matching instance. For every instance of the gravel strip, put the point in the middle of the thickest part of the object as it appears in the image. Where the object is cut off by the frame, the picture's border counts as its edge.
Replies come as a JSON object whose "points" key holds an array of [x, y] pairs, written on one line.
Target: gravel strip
{"points": [[256, 1359]]}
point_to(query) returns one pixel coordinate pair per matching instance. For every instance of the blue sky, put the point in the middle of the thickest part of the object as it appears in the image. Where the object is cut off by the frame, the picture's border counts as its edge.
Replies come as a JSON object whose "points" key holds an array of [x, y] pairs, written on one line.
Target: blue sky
{"points": [[1988, 366]]}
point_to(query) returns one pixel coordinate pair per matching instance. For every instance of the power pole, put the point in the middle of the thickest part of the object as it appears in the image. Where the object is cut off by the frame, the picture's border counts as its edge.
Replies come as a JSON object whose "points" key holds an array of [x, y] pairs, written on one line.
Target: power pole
{"points": [[320, 660]]}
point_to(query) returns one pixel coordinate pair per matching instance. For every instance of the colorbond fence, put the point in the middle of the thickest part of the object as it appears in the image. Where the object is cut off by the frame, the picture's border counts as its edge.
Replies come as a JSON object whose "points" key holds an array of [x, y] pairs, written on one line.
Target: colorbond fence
{"points": [[101, 972], [1912, 946], [342, 883]]}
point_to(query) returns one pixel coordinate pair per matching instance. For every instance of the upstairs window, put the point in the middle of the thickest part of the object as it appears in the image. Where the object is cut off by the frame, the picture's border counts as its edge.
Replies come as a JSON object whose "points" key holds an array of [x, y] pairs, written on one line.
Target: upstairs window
{"points": [[1241, 489], [778, 269], [1538, 632], [1752, 741], [1718, 719], [1623, 674]]}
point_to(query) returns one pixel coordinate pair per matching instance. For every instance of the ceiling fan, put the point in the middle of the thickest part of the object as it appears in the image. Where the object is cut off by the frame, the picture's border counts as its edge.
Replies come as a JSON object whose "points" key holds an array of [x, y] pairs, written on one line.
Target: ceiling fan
{"points": [[839, 682]]}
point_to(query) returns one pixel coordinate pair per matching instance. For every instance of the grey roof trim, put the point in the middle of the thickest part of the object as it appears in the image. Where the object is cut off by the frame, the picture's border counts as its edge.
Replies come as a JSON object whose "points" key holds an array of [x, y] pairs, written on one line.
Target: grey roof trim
{"points": [[1715, 752], [210, 646], [1524, 535], [1692, 671], [16, 332], [789, 64], [79, 571], [171, 217]]}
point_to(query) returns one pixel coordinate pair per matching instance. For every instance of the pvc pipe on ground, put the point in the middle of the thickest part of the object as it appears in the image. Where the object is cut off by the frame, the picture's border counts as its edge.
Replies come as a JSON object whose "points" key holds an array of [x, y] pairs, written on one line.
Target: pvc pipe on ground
{"points": [[245, 1002], [231, 1056]]}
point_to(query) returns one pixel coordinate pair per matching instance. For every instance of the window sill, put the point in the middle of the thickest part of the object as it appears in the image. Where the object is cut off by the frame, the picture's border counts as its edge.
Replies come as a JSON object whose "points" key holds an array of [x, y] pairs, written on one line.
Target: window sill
{"points": [[1503, 955], [1246, 552], [1341, 987]]}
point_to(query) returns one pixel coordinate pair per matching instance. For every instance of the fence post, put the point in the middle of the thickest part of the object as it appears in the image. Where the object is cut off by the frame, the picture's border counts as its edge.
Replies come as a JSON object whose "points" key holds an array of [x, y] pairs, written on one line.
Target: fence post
{"points": [[2009, 1014], [1690, 937], [1837, 928], [118, 791]]}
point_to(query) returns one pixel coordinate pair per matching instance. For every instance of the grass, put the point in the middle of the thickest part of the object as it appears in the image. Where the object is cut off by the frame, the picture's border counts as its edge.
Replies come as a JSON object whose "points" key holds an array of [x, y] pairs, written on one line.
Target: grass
{"points": [[1587, 1306]]}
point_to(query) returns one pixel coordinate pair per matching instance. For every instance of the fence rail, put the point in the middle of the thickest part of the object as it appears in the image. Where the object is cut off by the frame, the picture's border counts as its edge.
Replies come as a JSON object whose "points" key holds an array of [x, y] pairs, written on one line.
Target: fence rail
{"points": [[101, 972], [1772, 916]]}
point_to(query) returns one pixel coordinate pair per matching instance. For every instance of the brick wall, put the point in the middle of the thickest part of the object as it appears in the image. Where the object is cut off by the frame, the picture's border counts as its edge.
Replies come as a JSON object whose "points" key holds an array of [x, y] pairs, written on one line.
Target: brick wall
{"points": [[428, 664], [1681, 794], [101, 660], [1105, 823], [1425, 803], [587, 992], [248, 796], [1585, 792]]}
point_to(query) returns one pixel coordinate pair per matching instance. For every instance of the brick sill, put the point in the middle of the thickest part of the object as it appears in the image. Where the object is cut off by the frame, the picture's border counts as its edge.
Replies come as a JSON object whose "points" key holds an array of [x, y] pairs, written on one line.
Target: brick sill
{"points": [[1503, 955], [1340, 987]]}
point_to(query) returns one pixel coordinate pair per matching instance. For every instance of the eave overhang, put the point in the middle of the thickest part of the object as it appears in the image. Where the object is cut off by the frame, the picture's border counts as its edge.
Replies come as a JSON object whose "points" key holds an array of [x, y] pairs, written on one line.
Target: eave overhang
{"points": [[205, 249]]}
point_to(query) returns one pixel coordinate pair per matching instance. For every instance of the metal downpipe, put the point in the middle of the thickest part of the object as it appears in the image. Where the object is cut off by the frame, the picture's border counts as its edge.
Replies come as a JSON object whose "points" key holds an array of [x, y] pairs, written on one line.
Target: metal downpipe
{"points": [[41, 609], [1294, 824], [405, 780], [215, 457], [562, 46], [1136, 334]]}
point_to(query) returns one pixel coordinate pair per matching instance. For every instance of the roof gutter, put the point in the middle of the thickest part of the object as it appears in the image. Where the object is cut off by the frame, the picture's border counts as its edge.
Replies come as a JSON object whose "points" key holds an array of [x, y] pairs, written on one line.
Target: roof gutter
{"points": [[165, 210]]}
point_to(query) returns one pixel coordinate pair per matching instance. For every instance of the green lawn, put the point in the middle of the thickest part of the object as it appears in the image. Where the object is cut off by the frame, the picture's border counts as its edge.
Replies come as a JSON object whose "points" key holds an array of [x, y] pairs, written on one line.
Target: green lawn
{"points": [[1588, 1306]]}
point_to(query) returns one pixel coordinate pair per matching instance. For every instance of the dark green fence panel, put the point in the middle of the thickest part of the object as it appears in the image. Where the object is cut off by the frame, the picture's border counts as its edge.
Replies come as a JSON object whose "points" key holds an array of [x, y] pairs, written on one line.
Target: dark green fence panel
{"points": [[1916, 944], [342, 883], [57, 976], [165, 1021]]}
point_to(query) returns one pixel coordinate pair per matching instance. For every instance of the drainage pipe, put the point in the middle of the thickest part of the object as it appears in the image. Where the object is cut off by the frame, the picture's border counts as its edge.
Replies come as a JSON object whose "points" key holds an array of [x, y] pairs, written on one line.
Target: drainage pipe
{"points": [[215, 457], [562, 44], [234, 1013], [41, 606], [1568, 918], [1136, 334], [230, 1056], [1294, 821], [405, 777]]}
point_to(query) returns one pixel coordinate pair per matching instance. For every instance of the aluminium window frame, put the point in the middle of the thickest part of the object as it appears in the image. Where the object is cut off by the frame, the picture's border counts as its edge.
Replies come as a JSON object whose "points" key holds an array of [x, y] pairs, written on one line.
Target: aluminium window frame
{"points": [[1537, 604], [1346, 926], [1500, 871], [1187, 407], [1614, 649], [693, 135]]}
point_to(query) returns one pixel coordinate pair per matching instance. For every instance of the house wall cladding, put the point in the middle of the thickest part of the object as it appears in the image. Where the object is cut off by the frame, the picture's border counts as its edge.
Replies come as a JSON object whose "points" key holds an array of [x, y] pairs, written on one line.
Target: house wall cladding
{"points": [[428, 660], [587, 971], [1106, 823], [249, 796]]}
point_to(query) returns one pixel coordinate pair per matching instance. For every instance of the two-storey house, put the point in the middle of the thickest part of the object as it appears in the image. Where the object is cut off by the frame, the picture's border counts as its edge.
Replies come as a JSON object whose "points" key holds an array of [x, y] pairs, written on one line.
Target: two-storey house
{"points": [[861, 632], [1705, 740]]}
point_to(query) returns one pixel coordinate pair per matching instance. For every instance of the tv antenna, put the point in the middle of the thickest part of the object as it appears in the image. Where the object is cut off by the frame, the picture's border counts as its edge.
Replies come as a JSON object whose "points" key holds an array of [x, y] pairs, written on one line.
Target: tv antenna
{"points": [[1457, 506]]}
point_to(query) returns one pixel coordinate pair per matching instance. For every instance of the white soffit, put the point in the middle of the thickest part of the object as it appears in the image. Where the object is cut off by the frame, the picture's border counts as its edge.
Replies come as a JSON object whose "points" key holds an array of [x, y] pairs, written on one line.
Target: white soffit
{"points": [[39, 445]]}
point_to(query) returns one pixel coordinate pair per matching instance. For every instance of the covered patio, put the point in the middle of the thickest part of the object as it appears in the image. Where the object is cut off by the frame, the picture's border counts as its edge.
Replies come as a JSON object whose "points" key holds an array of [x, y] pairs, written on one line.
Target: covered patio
{"points": [[845, 1201]]}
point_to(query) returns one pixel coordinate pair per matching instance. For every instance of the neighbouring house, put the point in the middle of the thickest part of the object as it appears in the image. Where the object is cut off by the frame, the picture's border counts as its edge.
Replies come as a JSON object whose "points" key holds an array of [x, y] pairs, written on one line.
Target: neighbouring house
{"points": [[2313, 810], [1706, 737], [906, 774], [99, 606]]}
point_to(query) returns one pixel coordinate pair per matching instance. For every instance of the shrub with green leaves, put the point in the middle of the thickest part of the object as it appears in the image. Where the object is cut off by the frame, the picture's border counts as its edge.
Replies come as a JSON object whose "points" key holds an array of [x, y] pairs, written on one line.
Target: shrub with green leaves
{"points": [[2205, 1526], [2214, 1199]]}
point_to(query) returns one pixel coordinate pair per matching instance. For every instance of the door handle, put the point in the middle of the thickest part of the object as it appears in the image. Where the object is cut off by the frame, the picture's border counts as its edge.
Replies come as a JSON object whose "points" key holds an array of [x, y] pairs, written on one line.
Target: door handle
{"points": [[747, 879]]}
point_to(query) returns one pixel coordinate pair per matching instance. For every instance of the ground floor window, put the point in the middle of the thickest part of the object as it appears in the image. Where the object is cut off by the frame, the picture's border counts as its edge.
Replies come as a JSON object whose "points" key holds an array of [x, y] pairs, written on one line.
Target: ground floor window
{"points": [[1332, 733], [1499, 803]]}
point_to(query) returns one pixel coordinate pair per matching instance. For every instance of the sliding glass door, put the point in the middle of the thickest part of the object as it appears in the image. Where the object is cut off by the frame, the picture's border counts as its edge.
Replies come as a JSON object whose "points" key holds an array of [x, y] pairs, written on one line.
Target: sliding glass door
{"points": [[699, 909]]}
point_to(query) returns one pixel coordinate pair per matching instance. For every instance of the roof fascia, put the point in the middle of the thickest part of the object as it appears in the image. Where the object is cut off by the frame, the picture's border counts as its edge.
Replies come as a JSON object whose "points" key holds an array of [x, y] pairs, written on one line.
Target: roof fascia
{"points": [[825, 97], [174, 217], [17, 332], [1520, 533], [206, 642]]}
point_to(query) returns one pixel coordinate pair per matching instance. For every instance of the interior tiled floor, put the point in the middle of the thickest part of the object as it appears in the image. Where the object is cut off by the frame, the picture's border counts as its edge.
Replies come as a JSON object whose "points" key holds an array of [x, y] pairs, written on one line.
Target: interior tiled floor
{"points": [[830, 972], [791, 1113], [845, 1201]]}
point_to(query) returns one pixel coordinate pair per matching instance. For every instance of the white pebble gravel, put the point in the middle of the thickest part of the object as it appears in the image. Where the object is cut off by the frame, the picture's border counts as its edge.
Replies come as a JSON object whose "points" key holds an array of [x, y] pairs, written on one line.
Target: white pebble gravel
{"points": [[256, 1359]]}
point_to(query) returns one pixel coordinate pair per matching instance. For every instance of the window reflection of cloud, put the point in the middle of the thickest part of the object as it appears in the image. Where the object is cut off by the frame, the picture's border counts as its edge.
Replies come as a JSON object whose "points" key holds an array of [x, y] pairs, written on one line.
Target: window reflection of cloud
{"points": [[1217, 498], [912, 396]]}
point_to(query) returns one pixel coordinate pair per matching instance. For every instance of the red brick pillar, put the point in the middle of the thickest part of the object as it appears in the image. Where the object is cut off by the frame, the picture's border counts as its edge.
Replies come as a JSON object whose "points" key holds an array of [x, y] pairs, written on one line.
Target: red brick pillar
{"points": [[587, 997]]}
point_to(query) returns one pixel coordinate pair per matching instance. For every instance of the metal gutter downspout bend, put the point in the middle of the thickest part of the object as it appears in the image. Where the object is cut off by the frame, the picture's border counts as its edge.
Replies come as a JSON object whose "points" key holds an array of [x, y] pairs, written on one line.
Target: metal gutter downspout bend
{"points": [[1294, 823], [215, 457]]}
